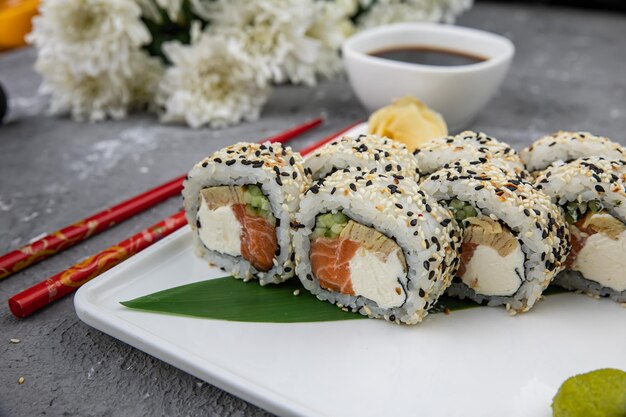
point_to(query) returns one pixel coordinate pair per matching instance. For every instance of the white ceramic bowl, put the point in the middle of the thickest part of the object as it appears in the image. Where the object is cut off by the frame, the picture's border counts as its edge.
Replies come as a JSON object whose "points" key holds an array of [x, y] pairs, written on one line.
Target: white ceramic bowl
{"points": [[457, 92]]}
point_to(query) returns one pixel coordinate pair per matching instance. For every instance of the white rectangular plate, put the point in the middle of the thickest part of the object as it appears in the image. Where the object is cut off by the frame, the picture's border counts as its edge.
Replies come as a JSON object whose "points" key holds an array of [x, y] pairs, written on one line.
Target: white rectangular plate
{"points": [[478, 362]]}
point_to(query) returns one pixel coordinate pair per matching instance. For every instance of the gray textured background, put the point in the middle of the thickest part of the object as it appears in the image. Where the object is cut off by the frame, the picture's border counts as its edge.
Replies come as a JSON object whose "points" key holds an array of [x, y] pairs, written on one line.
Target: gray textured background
{"points": [[569, 73]]}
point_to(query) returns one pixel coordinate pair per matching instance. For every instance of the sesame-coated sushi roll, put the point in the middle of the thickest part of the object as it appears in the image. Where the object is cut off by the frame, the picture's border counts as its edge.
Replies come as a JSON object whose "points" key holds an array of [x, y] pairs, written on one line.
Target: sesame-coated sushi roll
{"points": [[239, 203], [365, 151], [514, 239], [466, 146], [592, 194], [567, 146], [375, 243]]}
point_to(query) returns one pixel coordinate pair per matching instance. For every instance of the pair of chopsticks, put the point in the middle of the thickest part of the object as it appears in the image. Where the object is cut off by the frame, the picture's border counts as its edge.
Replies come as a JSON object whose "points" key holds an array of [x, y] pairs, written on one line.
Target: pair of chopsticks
{"points": [[46, 292]]}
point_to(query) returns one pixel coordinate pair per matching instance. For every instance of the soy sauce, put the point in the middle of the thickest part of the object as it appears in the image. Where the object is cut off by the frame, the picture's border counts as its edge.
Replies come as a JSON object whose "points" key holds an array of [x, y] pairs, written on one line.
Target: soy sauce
{"points": [[425, 55]]}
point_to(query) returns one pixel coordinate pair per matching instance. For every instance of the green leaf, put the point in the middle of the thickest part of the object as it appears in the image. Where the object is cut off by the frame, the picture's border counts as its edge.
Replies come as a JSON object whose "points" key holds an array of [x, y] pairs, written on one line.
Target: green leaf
{"points": [[234, 300]]}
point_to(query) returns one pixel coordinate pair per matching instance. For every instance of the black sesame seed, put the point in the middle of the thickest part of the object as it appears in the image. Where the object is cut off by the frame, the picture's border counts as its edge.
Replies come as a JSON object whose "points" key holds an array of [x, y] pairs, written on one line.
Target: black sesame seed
{"points": [[314, 189], [230, 162], [198, 223], [352, 186], [333, 190], [414, 222], [599, 188], [422, 293], [392, 318], [478, 188], [309, 277], [426, 265], [218, 160], [279, 181], [388, 167], [399, 206]]}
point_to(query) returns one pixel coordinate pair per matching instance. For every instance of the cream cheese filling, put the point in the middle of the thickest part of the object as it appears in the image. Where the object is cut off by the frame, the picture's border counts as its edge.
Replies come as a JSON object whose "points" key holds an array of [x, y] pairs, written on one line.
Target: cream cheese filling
{"points": [[489, 273], [219, 229], [603, 260], [376, 278]]}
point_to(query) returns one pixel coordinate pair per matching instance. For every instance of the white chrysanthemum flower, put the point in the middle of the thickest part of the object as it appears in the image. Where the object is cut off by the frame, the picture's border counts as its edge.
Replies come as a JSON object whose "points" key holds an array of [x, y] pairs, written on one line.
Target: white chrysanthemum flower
{"points": [[384, 12], [150, 11], [172, 7], [331, 26], [97, 97], [273, 33], [90, 35], [211, 82]]}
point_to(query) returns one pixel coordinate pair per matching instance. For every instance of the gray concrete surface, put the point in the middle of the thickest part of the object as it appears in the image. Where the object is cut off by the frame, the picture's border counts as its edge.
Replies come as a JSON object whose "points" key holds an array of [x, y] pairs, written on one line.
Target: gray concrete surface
{"points": [[569, 73]]}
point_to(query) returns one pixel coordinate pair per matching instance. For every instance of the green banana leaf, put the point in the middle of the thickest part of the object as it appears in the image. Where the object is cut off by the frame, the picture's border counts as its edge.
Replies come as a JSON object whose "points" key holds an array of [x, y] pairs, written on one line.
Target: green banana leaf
{"points": [[234, 300]]}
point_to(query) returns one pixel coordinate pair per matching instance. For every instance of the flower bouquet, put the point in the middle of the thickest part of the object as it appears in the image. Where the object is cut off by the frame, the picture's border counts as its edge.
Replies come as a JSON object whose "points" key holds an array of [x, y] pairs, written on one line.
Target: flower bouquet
{"points": [[199, 62]]}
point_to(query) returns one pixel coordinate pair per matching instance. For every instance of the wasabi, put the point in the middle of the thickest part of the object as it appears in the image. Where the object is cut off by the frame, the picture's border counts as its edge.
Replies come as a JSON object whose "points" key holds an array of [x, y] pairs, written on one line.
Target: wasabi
{"points": [[600, 393]]}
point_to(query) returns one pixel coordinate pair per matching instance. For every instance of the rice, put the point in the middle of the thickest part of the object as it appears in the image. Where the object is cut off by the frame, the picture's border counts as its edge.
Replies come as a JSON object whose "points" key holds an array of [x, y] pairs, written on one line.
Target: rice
{"points": [[529, 214], [584, 180], [568, 146], [279, 173], [467, 146], [365, 151], [399, 209]]}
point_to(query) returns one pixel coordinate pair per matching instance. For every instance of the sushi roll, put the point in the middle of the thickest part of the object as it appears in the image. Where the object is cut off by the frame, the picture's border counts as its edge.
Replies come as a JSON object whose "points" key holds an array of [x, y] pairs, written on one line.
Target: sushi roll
{"points": [[466, 146], [514, 239], [592, 194], [568, 146], [239, 203], [375, 243], [365, 151]]}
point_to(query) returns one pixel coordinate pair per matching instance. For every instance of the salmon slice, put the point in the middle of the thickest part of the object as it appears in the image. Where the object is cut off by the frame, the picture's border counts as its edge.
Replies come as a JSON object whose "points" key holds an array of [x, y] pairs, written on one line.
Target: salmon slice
{"points": [[330, 263], [258, 238]]}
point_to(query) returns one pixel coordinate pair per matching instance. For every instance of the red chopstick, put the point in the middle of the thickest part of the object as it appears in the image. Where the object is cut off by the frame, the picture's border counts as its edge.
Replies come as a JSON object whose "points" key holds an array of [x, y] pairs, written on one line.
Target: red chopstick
{"points": [[69, 236], [46, 292]]}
